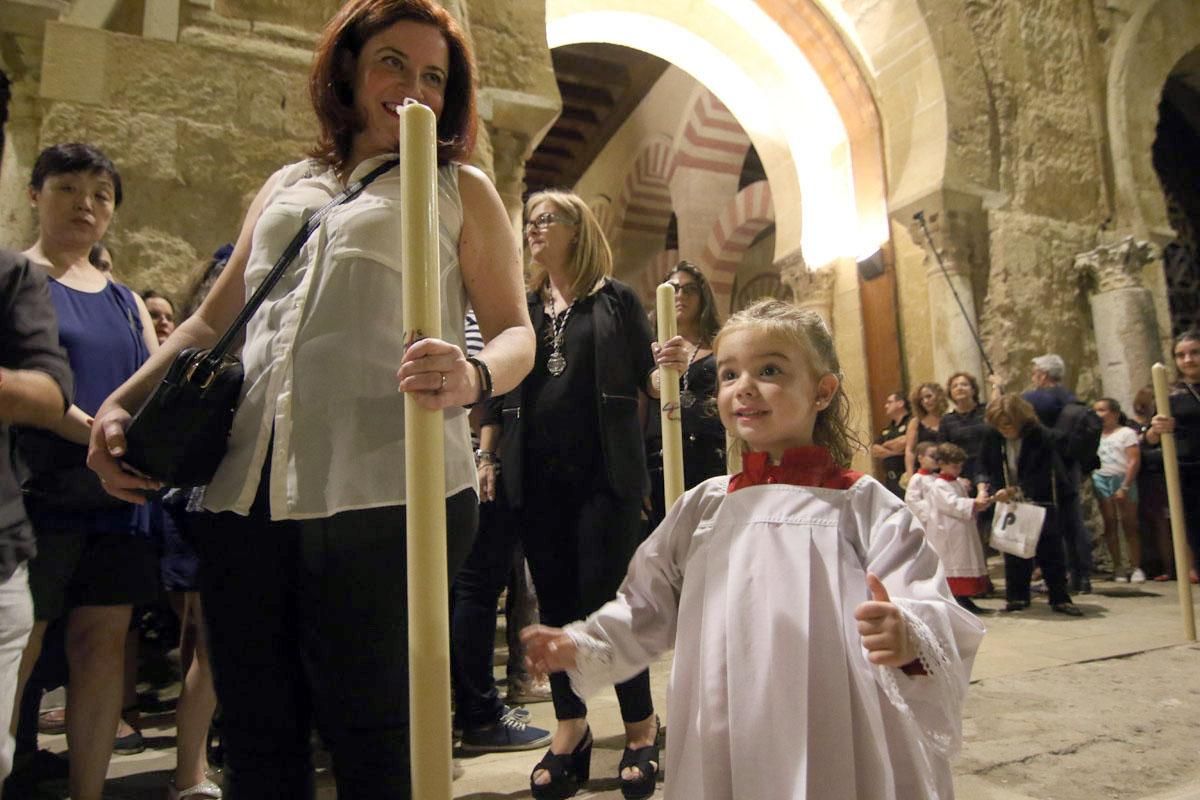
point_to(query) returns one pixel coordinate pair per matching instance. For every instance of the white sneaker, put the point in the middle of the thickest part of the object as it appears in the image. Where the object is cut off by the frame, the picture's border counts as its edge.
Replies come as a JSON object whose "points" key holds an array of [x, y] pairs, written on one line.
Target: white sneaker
{"points": [[1138, 576]]}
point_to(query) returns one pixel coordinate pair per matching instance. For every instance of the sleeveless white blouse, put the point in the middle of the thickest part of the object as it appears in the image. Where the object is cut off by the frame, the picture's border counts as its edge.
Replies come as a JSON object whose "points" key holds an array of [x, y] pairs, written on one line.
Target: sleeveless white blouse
{"points": [[322, 352]]}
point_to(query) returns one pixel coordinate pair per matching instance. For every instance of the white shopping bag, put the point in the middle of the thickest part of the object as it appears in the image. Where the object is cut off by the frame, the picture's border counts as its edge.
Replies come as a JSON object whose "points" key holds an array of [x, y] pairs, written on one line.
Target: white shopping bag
{"points": [[1016, 528]]}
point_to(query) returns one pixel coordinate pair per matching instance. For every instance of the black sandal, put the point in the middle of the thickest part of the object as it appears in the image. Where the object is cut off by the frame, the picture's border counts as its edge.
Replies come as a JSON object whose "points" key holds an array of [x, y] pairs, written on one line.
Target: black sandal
{"points": [[646, 761], [568, 771]]}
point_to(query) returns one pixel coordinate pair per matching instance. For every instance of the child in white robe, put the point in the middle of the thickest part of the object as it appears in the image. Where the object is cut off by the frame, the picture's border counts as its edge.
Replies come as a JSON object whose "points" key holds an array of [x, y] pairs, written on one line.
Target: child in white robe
{"points": [[916, 495], [818, 650], [951, 527]]}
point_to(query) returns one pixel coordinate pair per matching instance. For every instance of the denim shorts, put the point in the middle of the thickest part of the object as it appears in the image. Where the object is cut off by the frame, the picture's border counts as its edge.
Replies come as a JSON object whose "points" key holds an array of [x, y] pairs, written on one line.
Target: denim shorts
{"points": [[1107, 485]]}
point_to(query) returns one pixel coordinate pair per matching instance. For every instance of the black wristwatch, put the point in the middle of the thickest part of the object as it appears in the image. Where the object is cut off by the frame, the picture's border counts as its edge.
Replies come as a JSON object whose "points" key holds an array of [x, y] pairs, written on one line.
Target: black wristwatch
{"points": [[485, 380]]}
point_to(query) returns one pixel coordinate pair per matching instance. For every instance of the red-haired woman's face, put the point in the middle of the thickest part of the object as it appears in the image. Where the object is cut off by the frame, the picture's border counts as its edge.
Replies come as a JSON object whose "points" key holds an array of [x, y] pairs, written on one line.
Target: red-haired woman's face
{"points": [[408, 60]]}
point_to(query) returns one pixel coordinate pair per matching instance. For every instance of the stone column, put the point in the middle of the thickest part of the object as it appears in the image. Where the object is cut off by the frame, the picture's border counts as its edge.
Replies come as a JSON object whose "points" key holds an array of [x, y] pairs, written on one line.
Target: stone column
{"points": [[516, 122], [1123, 315], [21, 148], [951, 320], [812, 289]]}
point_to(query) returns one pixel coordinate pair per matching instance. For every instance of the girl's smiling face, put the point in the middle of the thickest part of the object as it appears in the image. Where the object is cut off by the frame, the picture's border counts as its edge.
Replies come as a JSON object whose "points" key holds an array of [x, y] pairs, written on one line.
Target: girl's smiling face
{"points": [[767, 395]]}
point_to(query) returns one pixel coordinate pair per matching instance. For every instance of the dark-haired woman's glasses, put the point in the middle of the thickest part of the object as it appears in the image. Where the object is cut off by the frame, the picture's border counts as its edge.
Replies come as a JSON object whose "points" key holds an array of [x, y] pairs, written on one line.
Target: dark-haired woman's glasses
{"points": [[688, 289], [543, 221]]}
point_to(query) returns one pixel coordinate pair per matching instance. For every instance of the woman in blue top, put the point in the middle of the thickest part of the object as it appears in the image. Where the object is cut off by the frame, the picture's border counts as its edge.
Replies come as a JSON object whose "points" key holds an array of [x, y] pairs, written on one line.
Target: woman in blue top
{"points": [[93, 564]]}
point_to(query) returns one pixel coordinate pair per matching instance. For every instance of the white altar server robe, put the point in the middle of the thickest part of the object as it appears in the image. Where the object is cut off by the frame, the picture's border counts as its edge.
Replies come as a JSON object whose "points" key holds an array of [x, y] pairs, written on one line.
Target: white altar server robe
{"points": [[771, 695]]}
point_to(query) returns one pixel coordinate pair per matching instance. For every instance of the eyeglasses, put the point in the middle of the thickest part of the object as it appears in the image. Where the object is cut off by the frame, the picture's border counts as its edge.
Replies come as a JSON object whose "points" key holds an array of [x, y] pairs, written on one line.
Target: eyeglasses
{"points": [[543, 221], [688, 289]]}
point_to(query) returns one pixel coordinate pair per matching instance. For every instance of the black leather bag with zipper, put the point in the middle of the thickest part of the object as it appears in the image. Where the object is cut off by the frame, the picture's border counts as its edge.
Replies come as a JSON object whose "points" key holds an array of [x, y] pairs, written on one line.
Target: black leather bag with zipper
{"points": [[181, 432]]}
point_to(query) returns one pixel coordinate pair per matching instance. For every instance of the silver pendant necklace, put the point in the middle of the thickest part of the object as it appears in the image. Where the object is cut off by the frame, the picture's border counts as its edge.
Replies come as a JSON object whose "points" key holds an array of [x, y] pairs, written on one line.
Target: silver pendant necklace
{"points": [[687, 398], [557, 363]]}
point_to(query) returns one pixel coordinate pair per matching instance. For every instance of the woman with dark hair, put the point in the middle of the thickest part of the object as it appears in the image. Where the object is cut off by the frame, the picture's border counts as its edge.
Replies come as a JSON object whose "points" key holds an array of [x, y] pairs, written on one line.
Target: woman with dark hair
{"points": [[573, 464], [889, 445], [1184, 422], [703, 436], [1019, 459], [928, 402], [94, 563], [965, 425], [303, 572]]}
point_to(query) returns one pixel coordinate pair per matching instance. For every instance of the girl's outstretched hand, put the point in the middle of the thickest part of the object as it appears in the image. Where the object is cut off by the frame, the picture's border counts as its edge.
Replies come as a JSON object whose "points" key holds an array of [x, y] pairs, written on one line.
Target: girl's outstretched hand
{"points": [[547, 650], [883, 629]]}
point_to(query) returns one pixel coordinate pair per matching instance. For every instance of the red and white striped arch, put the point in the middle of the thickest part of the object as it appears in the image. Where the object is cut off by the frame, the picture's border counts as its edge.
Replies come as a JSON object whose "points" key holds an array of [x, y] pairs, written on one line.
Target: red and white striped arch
{"points": [[645, 203], [746, 216], [712, 139]]}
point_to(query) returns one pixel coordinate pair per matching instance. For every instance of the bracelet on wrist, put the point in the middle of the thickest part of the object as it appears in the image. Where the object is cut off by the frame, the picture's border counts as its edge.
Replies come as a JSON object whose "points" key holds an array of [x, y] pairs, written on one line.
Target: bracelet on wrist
{"points": [[485, 380], [485, 457]]}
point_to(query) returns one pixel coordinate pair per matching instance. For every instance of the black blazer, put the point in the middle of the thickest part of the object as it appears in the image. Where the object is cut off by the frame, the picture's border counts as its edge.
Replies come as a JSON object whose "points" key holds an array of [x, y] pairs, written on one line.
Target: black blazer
{"points": [[1038, 465], [622, 338]]}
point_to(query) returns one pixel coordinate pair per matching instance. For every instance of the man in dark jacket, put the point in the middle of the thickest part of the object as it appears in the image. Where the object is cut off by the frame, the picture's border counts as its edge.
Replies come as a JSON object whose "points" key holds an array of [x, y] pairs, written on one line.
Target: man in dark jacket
{"points": [[1050, 399], [35, 389]]}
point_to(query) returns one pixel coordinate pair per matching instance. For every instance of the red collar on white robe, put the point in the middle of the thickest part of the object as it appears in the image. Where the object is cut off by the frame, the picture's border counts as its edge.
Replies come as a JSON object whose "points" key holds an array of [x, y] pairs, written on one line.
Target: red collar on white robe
{"points": [[946, 476], [800, 466], [923, 471]]}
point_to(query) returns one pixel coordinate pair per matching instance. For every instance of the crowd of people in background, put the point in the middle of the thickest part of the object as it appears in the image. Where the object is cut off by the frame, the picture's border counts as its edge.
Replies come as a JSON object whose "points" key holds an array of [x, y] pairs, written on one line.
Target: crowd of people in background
{"points": [[1052, 447]]}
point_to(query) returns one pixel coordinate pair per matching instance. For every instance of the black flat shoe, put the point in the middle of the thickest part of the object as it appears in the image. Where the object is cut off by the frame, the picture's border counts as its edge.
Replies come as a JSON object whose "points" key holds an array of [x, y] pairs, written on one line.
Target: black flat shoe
{"points": [[1015, 605], [645, 760], [1068, 608], [568, 771]]}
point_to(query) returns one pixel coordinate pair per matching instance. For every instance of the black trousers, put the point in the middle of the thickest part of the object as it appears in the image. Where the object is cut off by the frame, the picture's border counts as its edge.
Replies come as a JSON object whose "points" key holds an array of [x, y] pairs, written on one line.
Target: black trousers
{"points": [[579, 537], [308, 623], [476, 589], [1077, 539], [1050, 556], [1189, 484]]}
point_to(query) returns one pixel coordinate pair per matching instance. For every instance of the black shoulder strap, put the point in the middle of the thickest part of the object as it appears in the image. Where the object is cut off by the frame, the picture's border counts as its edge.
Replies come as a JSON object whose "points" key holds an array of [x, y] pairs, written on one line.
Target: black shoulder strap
{"points": [[213, 360]]}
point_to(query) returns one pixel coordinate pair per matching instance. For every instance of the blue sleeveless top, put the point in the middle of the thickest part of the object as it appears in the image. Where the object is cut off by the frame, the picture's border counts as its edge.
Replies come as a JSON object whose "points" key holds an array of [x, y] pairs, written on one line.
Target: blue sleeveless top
{"points": [[102, 334]]}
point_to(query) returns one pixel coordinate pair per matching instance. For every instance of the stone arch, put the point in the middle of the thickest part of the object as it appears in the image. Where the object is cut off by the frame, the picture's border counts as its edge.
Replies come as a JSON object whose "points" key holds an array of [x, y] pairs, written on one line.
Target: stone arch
{"points": [[644, 206], [1154, 40], [746, 216], [781, 92], [711, 138]]}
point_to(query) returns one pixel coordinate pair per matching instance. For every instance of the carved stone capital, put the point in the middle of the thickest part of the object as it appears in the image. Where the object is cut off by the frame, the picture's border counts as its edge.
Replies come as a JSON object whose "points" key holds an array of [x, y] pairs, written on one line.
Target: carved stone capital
{"points": [[953, 234], [1115, 266], [812, 289]]}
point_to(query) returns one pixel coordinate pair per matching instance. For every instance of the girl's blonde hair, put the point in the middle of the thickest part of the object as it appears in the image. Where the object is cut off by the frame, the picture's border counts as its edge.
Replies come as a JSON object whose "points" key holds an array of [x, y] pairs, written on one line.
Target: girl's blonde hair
{"points": [[591, 258], [807, 331]]}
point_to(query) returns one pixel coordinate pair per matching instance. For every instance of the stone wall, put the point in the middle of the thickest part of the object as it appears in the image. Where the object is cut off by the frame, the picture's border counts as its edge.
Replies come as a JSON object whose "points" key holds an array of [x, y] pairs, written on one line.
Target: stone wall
{"points": [[1043, 176]]}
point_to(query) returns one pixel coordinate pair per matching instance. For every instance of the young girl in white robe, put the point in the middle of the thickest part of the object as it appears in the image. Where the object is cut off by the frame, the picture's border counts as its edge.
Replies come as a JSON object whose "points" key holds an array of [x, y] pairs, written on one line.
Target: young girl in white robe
{"points": [[951, 527], [818, 650], [916, 495]]}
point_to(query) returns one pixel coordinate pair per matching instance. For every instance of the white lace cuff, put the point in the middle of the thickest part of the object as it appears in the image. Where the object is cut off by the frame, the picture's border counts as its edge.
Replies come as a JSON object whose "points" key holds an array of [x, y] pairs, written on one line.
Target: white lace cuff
{"points": [[940, 685], [593, 662]]}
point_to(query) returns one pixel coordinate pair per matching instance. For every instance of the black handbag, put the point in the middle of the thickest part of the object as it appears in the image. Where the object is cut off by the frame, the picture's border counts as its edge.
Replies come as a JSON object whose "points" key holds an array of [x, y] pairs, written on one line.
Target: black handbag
{"points": [[180, 434]]}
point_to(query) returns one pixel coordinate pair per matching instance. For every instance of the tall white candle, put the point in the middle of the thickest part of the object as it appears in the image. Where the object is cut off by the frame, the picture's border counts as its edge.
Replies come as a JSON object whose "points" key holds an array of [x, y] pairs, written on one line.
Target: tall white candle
{"points": [[672, 424], [1175, 502], [424, 469]]}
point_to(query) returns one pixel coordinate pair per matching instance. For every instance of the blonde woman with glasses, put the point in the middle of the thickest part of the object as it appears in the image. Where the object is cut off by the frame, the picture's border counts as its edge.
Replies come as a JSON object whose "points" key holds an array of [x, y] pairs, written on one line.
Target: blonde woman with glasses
{"points": [[574, 467]]}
